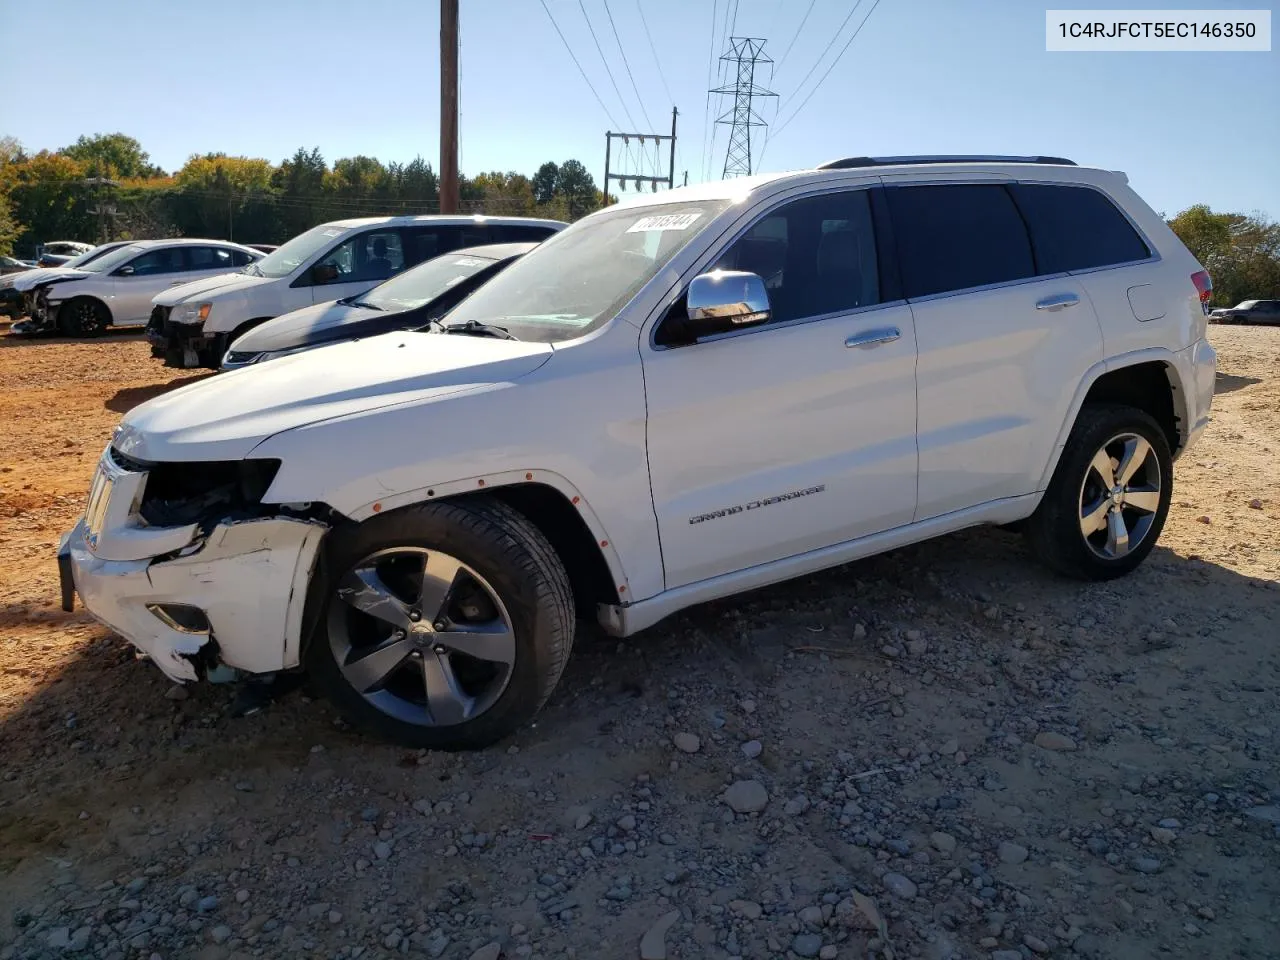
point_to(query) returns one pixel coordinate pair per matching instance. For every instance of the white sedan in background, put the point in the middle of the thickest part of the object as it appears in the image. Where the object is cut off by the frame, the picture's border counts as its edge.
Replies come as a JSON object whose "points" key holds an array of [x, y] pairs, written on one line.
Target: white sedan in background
{"points": [[116, 288]]}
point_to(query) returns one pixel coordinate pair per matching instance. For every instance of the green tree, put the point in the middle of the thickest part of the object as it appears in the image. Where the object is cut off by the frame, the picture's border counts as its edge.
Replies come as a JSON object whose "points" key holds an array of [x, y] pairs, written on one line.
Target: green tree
{"points": [[112, 155], [578, 189], [1241, 253], [545, 182]]}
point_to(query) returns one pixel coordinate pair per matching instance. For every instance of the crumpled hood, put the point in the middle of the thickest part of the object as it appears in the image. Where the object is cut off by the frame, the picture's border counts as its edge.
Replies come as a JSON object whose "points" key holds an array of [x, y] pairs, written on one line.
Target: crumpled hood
{"points": [[224, 416], [320, 323], [30, 279], [208, 289]]}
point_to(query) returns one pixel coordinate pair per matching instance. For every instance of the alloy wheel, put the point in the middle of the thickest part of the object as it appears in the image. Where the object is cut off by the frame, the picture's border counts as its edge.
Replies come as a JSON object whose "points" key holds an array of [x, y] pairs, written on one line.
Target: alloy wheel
{"points": [[421, 636], [1120, 496], [86, 318]]}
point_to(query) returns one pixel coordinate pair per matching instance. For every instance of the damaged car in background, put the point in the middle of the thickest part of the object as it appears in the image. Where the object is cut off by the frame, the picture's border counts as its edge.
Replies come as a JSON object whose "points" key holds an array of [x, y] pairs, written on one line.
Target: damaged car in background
{"points": [[116, 288], [418, 297]]}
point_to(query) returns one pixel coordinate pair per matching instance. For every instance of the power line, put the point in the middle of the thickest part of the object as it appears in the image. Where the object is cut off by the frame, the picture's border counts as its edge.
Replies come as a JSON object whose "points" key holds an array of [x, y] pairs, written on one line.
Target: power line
{"points": [[663, 77], [585, 78], [843, 49], [803, 21], [706, 120], [600, 50], [654, 50], [634, 89], [834, 37]]}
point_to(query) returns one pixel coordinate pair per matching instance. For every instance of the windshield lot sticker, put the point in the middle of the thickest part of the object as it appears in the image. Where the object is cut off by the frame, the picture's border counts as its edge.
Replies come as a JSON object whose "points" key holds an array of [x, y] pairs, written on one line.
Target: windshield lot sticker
{"points": [[757, 504], [668, 221]]}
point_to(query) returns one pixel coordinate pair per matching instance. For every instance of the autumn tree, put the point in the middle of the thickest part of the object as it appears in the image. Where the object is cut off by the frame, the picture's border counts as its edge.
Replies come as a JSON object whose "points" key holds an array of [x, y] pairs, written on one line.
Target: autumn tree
{"points": [[113, 155], [1241, 253]]}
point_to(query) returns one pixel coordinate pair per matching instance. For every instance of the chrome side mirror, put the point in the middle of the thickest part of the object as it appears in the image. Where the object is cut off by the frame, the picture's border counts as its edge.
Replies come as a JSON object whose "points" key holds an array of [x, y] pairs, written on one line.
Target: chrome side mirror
{"points": [[726, 300]]}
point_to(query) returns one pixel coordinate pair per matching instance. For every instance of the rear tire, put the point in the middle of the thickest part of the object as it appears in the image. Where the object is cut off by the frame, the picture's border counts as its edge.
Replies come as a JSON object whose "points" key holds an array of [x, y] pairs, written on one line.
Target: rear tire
{"points": [[467, 611], [1109, 496], [83, 317]]}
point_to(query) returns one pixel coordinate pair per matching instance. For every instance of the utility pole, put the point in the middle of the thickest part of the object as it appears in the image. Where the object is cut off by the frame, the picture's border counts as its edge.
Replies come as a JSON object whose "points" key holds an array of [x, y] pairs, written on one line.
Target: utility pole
{"points": [[103, 210], [449, 198], [637, 179], [745, 53]]}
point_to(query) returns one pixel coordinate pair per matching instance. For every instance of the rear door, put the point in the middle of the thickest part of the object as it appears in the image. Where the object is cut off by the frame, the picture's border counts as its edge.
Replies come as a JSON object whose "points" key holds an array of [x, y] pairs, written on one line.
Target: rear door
{"points": [[1001, 348]]}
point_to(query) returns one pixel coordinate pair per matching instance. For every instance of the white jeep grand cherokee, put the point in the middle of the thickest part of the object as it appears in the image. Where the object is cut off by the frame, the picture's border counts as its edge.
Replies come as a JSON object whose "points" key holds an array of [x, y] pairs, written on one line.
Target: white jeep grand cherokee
{"points": [[706, 391]]}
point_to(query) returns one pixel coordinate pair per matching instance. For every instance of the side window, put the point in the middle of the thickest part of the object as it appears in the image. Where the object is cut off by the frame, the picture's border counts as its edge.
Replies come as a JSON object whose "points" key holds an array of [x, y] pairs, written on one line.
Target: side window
{"points": [[421, 243], [816, 255], [952, 237], [373, 255], [155, 262], [1075, 228], [208, 258], [241, 259]]}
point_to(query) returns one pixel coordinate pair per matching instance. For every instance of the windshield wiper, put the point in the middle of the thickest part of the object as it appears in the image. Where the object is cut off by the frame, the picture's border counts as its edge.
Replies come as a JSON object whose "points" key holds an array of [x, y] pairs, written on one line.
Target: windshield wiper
{"points": [[362, 303], [477, 329]]}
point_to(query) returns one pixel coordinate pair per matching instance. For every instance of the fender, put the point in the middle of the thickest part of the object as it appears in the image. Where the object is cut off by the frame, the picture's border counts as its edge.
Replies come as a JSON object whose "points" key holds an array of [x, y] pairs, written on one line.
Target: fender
{"points": [[1147, 355], [491, 481]]}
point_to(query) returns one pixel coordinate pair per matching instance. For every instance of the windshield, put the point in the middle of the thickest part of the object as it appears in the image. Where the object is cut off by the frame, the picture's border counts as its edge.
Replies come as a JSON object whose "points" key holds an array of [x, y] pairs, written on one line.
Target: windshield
{"points": [[111, 259], [288, 257], [424, 283], [577, 279]]}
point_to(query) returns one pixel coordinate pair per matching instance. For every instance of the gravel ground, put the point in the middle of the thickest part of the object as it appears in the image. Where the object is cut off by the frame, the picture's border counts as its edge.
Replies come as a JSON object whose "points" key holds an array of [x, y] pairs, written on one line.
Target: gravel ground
{"points": [[941, 752]]}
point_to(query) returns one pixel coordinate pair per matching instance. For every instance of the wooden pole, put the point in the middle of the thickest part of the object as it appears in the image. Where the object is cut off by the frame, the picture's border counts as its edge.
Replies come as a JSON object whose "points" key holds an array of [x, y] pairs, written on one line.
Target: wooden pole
{"points": [[449, 198]]}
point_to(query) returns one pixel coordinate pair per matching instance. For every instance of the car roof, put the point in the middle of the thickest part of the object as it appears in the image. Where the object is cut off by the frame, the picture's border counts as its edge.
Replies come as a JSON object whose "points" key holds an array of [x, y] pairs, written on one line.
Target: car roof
{"points": [[739, 188], [193, 242], [446, 219], [493, 251]]}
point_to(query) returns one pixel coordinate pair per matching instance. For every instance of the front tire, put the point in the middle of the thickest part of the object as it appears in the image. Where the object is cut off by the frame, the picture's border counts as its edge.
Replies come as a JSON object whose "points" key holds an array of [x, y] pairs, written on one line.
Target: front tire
{"points": [[1109, 496], [84, 317], [446, 625]]}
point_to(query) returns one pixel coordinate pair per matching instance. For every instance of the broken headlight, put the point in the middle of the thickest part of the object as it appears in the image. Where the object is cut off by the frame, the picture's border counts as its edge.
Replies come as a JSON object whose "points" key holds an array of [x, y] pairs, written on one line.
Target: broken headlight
{"points": [[176, 494]]}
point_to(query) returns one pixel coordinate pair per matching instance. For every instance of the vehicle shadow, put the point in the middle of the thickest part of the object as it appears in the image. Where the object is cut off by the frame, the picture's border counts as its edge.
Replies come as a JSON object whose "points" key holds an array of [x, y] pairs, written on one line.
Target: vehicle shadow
{"points": [[10, 340], [1227, 382], [125, 399]]}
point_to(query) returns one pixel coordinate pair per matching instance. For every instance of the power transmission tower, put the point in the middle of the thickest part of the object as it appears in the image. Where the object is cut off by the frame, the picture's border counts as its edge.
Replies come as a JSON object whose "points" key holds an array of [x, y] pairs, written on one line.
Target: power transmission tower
{"points": [[744, 56], [635, 178]]}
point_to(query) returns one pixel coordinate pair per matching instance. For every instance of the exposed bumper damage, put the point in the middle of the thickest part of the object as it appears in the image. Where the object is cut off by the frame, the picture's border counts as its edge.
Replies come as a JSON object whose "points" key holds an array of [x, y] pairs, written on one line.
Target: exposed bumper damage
{"points": [[248, 580], [183, 345], [228, 587]]}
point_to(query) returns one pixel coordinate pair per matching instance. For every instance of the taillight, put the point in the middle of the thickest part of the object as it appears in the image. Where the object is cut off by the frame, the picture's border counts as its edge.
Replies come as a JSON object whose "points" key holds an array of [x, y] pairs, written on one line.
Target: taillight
{"points": [[1204, 283]]}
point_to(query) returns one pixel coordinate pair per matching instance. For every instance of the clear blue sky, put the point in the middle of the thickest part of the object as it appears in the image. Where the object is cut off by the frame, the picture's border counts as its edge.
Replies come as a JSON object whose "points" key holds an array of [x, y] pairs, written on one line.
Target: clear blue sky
{"points": [[924, 76]]}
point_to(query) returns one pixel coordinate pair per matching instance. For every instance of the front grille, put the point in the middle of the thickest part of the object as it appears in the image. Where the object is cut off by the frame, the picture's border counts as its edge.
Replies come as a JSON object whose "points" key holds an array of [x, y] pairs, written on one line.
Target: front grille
{"points": [[158, 317], [126, 462]]}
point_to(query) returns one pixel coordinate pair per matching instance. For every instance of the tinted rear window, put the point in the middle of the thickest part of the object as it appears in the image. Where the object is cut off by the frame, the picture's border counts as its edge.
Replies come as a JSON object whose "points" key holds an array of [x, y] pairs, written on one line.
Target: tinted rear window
{"points": [[1075, 228], [955, 237]]}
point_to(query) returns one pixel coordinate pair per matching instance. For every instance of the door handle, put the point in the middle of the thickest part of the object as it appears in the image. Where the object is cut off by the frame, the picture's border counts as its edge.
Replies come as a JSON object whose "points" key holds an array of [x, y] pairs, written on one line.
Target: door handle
{"points": [[873, 338], [1059, 301]]}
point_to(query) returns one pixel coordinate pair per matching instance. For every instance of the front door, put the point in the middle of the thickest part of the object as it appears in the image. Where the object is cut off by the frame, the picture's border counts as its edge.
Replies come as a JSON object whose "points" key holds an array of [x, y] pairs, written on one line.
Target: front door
{"points": [[796, 434], [363, 261]]}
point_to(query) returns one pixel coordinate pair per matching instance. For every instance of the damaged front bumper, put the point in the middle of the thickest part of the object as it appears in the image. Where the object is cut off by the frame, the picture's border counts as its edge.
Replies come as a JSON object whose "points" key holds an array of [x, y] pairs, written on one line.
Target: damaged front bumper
{"points": [[235, 597], [183, 345]]}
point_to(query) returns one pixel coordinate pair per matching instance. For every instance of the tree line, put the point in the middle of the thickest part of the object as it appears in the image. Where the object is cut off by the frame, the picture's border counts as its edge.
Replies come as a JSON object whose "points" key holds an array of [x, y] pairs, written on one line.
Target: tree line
{"points": [[106, 187]]}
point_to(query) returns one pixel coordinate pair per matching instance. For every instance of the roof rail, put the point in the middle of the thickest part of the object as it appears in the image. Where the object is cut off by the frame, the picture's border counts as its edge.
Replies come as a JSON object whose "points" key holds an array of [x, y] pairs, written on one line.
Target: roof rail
{"points": [[849, 162]]}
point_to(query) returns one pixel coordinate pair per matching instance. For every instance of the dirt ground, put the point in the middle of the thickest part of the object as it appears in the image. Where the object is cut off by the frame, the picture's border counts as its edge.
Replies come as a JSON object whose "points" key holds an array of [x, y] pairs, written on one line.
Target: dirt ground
{"points": [[958, 754]]}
